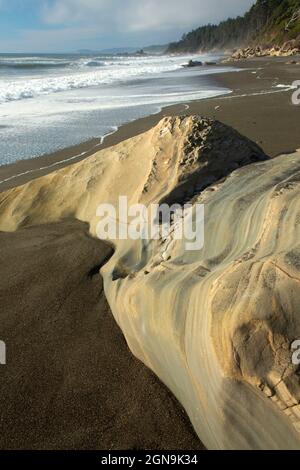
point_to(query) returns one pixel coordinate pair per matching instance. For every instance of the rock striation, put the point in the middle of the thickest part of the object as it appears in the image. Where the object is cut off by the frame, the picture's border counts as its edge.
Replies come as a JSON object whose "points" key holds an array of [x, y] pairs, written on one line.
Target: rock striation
{"points": [[215, 325]]}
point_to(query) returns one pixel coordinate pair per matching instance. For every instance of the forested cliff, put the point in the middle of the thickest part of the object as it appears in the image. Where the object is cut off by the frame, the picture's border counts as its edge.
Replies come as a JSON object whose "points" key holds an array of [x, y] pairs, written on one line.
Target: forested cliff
{"points": [[268, 22]]}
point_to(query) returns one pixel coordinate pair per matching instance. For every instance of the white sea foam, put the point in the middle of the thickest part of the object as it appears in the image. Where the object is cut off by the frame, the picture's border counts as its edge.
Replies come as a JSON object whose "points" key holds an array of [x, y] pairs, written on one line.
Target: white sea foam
{"points": [[21, 89], [31, 77], [48, 103], [287, 87], [76, 76]]}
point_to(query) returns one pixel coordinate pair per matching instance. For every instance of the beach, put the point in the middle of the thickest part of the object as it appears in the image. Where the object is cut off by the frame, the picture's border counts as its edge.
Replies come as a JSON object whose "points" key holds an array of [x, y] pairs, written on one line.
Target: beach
{"points": [[256, 108], [149, 230], [76, 377], [49, 102]]}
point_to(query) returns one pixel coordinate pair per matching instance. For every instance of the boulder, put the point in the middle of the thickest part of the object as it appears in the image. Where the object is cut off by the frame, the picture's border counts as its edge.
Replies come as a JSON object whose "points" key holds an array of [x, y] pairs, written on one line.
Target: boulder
{"points": [[215, 324], [194, 63]]}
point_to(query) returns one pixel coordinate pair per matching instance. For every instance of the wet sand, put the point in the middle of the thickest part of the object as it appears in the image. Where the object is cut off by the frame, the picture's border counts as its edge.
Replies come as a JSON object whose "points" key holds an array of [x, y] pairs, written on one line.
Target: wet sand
{"points": [[256, 108]]}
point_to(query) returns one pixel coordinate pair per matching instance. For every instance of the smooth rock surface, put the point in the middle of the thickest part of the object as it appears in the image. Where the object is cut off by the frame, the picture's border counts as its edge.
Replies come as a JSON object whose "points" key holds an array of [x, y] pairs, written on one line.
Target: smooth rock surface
{"points": [[215, 325]]}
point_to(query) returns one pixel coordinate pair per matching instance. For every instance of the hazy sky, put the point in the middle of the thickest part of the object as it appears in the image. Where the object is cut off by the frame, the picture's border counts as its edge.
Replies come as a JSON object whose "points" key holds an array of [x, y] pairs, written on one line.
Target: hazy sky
{"points": [[68, 25]]}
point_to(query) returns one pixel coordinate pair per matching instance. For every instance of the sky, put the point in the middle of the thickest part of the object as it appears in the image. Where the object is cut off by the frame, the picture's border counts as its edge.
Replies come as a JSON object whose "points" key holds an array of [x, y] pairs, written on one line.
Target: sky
{"points": [[69, 25]]}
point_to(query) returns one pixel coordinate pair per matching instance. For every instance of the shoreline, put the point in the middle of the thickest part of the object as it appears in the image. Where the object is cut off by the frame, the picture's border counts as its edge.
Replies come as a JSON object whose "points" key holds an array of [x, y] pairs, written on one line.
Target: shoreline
{"points": [[78, 317], [253, 87]]}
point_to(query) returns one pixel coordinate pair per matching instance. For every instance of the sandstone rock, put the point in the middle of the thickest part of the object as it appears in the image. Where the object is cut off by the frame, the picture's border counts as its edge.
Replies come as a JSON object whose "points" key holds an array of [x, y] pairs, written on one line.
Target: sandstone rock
{"points": [[289, 48], [215, 324]]}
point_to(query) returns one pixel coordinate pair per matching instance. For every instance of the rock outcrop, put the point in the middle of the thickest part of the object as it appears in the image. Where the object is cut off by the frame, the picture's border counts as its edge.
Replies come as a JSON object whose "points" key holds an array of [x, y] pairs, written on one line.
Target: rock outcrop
{"points": [[288, 49], [216, 325], [181, 155], [193, 63]]}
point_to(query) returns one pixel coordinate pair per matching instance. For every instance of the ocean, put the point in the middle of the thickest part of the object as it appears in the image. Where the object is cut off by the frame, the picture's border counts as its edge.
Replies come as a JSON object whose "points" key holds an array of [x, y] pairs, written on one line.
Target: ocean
{"points": [[49, 102]]}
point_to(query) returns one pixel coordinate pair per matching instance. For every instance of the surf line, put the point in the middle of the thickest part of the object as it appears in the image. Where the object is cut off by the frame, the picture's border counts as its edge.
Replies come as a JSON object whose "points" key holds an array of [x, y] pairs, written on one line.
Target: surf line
{"points": [[53, 165]]}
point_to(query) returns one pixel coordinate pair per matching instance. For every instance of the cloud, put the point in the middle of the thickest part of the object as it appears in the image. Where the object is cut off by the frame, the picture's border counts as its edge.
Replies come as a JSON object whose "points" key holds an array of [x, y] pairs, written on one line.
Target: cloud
{"points": [[78, 11], [62, 25], [140, 15]]}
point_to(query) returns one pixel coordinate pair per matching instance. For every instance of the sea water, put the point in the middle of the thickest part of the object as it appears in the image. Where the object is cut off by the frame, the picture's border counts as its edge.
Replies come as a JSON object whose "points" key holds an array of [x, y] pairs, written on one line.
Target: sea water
{"points": [[49, 102]]}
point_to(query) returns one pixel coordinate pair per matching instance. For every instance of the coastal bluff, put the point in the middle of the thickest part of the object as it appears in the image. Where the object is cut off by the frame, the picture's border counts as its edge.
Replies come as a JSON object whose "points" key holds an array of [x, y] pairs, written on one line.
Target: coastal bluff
{"points": [[215, 325]]}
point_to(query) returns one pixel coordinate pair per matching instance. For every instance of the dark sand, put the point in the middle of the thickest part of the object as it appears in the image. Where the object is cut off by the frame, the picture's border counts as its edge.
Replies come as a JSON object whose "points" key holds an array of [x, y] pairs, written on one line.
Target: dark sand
{"points": [[70, 381], [270, 119]]}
